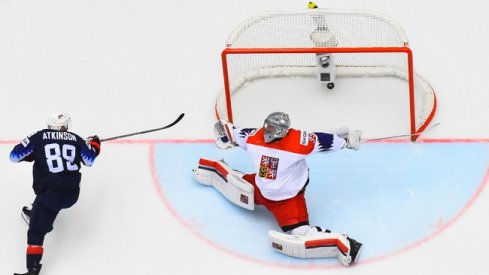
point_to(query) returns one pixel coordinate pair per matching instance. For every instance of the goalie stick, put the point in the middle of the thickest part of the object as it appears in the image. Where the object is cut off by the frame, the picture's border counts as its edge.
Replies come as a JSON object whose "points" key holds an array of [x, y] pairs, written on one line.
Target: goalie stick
{"points": [[146, 131], [406, 135]]}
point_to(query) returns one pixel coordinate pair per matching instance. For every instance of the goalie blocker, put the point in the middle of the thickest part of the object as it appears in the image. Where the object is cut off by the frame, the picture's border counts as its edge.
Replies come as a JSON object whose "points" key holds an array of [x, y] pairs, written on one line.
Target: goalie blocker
{"points": [[227, 181]]}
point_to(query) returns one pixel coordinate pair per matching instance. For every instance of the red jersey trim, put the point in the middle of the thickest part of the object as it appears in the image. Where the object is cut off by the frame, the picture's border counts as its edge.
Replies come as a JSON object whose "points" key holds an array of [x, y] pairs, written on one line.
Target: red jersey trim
{"points": [[296, 141]]}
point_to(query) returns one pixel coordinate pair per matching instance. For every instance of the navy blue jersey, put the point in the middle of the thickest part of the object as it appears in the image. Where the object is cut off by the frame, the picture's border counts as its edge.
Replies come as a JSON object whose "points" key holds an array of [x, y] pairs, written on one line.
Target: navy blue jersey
{"points": [[57, 157]]}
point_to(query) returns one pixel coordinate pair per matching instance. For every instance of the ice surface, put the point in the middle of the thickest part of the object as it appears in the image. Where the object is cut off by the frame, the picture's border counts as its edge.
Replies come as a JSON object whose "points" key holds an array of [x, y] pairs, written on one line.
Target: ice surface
{"points": [[124, 66]]}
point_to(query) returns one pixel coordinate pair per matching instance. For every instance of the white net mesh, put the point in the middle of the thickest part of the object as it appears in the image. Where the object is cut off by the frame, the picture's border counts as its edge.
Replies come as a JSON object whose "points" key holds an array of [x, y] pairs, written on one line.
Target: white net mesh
{"points": [[294, 30], [368, 33]]}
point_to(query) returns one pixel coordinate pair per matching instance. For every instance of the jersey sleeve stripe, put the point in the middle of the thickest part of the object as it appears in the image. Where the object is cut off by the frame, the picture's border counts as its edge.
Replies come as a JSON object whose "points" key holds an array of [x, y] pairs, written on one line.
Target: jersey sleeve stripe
{"points": [[294, 142]]}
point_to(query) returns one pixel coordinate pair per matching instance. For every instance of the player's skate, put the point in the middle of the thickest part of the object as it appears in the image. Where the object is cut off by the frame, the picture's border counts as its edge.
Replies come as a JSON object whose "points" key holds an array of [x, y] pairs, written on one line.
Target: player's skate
{"points": [[32, 271], [26, 214]]}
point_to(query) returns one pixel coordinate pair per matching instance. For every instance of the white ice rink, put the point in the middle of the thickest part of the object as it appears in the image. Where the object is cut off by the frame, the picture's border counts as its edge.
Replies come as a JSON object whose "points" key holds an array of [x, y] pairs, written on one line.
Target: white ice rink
{"points": [[120, 66]]}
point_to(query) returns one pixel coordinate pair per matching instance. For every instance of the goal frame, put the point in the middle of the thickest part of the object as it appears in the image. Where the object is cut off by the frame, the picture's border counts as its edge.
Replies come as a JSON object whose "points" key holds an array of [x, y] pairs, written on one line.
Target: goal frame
{"points": [[410, 77]]}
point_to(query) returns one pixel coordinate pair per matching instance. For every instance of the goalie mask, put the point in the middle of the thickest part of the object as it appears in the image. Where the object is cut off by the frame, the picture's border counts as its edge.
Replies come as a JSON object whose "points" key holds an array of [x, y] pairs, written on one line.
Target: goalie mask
{"points": [[276, 126], [59, 121]]}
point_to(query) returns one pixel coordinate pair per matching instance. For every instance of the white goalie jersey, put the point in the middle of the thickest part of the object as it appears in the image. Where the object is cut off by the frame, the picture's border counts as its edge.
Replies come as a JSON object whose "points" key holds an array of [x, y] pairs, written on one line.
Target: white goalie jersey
{"points": [[281, 169]]}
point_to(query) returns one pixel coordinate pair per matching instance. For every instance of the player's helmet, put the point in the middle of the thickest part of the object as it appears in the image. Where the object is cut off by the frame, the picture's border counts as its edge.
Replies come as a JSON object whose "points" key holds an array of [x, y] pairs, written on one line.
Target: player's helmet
{"points": [[59, 121], [276, 126]]}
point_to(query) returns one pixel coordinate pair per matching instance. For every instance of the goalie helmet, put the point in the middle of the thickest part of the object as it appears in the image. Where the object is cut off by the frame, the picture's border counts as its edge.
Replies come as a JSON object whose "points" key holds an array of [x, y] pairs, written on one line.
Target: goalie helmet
{"points": [[59, 121], [276, 126]]}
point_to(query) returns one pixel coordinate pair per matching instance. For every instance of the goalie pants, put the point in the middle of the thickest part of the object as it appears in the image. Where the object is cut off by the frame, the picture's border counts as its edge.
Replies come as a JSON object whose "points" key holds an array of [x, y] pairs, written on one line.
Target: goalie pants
{"points": [[45, 209], [290, 213]]}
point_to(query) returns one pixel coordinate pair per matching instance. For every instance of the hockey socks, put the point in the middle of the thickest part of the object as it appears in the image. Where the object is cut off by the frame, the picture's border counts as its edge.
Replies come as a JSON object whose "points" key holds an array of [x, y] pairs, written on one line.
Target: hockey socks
{"points": [[34, 256]]}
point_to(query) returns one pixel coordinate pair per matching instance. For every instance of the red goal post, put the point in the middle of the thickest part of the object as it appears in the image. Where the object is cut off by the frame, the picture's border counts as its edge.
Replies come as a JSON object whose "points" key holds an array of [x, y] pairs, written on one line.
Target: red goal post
{"points": [[363, 44]]}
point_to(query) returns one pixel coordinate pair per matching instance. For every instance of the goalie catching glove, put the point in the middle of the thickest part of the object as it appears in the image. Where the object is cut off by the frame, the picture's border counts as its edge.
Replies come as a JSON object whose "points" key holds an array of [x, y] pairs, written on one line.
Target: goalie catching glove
{"points": [[223, 132], [352, 137], [353, 140]]}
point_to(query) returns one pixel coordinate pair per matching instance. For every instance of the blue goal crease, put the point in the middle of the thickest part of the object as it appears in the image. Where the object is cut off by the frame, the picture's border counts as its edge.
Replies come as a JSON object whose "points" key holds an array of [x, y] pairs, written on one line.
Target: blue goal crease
{"points": [[386, 195]]}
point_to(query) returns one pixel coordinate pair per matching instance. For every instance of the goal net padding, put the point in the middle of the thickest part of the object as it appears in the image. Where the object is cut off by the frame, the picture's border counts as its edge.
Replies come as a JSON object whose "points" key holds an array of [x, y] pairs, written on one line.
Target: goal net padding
{"points": [[287, 44]]}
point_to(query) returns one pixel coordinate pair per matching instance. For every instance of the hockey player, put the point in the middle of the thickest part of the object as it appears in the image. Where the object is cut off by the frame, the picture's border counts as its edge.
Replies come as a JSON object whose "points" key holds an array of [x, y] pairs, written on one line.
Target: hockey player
{"points": [[278, 155], [57, 155]]}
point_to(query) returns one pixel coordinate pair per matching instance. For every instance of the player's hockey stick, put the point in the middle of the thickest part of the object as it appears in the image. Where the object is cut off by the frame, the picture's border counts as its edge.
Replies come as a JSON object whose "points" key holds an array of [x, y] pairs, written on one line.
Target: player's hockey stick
{"points": [[146, 131], [406, 135]]}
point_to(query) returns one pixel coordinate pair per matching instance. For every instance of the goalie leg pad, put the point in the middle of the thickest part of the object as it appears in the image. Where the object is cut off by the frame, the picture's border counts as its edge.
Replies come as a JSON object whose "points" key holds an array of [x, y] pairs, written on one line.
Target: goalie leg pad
{"points": [[228, 182], [314, 244]]}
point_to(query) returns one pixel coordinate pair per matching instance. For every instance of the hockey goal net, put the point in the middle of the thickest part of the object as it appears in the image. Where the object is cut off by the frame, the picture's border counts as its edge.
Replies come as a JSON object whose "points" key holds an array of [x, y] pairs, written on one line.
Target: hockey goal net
{"points": [[358, 44]]}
